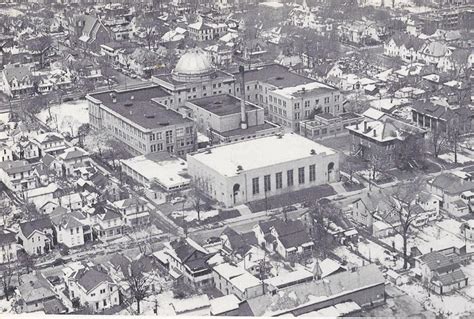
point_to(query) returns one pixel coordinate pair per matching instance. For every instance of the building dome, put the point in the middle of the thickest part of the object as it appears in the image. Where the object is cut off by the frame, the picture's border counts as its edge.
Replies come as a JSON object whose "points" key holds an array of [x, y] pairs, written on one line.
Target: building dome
{"points": [[193, 65]]}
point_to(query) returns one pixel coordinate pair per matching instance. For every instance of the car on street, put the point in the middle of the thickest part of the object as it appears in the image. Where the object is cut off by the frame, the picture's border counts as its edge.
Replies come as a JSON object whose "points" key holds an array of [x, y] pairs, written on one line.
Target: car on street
{"points": [[177, 200]]}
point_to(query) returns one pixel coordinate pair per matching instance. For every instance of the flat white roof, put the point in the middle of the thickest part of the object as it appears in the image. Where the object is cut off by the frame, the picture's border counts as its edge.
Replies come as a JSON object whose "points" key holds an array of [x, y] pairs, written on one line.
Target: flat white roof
{"points": [[167, 172], [260, 152], [290, 91], [224, 304]]}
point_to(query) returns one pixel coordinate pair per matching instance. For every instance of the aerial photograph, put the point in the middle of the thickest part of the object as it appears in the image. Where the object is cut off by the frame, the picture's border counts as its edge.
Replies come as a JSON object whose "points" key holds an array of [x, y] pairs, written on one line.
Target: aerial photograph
{"points": [[251, 158]]}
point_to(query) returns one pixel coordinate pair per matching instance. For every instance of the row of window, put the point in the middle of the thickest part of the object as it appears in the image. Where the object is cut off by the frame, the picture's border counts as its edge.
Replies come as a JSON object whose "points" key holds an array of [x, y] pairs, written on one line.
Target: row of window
{"points": [[267, 179]]}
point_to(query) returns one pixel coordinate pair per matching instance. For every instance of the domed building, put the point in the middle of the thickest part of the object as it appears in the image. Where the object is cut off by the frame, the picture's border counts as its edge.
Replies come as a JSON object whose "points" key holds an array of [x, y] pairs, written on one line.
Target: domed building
{"points": [[195, 65], [194, 77]]}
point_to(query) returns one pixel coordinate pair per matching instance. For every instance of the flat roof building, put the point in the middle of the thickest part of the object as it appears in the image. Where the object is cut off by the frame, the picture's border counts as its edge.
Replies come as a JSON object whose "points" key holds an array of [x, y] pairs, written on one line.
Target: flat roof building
{"points": [[143, 120], [237, 173], [220, 118]]}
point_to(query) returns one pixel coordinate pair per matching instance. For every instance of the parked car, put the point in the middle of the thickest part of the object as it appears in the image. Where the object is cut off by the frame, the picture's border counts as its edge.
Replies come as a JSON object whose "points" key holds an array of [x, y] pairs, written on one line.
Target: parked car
{"points": [[177, 200]]}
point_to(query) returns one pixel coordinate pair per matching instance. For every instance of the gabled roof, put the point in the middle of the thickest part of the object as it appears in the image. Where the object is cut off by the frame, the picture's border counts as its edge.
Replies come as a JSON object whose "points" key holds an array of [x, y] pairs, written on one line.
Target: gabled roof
{"points": [[40, 225], [89, 278], [35, 288], [15, 167], [452, 184], [49, 137], [439, 262], [73, 153], [16, 72]]}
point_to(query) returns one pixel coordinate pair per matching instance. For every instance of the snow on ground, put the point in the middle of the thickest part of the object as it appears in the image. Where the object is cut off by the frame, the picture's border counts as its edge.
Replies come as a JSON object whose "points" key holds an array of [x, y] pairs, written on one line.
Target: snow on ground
{"points": [[469, 271], [11, 12], [6, 306], [5, 117], [450, 225], [432, 234], [454, 305], [373, 252], [190, 215], [462, 158], [147, 306], [351, 258], [67, 116]]}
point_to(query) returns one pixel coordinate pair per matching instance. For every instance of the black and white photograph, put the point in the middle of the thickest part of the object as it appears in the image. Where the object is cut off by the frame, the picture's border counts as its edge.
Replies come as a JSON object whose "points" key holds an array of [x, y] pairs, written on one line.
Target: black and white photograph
{"points": [[237, 158]]}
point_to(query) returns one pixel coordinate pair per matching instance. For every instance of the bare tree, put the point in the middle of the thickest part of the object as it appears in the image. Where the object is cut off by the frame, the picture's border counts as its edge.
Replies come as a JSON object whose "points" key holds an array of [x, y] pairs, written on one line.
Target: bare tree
{"points": [[379, 160], [138, 282], [26, 260], [196, 194], [148, 26], [437, 139], [7, 278], [321, 214], [402, 211]]}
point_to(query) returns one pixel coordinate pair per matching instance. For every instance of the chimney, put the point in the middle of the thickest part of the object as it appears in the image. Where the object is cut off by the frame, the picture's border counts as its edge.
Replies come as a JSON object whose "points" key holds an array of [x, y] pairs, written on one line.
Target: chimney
{"points": [[365, 126], [375, 133], [243, 113]]}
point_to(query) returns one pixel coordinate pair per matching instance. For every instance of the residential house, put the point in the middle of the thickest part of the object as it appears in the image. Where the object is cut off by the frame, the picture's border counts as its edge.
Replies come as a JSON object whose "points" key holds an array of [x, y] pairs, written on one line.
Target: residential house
{"points": [[434, 116], [17, 175], [6, 152], [384, 138], [34, 291], [8, 248], [50, 143], [106, 221], [230, 279], [69, 228], [26, 149], [89, 32], [16, 80], [36, 236], [404, 46], [234, 244], [93, 287], [434, 51], [450, 188], [72, 158], [135, 211], [188, 260], [441, 273], [290, 238], [72, 201], [204, 30]]}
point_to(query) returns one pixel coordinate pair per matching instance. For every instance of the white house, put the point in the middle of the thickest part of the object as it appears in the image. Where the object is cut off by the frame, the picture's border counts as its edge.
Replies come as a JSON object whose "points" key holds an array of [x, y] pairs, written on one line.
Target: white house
{"points": [[94, 287], [135, 211], [69, 228], [8, 246], [36, 236], [230, 279], [17, 175]]}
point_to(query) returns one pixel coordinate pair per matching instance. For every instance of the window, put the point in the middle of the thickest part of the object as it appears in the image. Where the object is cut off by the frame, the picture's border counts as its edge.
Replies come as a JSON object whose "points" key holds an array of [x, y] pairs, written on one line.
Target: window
{"points": [[105, 302], [169, 136], [301, 175], [326, 100], [306, 103], [179, 131], [289, 177], [278, 180], [72, 231], [255, 188], [312, 173], [267, 183]]}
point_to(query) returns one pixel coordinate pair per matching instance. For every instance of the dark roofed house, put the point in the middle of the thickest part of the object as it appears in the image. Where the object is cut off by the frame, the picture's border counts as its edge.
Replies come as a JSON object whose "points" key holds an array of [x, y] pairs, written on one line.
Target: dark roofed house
{"points": [[234, 243], [188, 261], [107, 222], [443, 272], [17, 175], [288, 238], [36, 236], [429, 115]]}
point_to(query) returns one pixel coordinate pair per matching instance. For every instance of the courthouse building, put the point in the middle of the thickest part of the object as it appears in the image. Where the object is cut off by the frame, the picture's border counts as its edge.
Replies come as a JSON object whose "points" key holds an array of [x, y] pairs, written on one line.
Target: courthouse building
{"points": [[254, 169]]}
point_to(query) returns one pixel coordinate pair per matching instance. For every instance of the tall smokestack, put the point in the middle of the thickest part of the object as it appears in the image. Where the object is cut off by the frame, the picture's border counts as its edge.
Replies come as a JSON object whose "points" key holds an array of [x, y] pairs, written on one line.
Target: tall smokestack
{"points": [[243, 113]]}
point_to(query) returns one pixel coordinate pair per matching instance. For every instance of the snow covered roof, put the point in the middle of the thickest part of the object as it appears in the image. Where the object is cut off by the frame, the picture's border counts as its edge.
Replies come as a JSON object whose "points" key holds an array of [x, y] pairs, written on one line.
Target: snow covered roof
{"points": [[168, 172], [238, 277], [373, 114], [296, 91], [226, 158], [190, 304], [286, 279], [224, 304]]}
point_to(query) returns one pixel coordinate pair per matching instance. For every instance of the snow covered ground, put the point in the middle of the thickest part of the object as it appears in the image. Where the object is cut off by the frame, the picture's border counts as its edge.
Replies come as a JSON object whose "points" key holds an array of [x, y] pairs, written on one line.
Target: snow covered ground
{"points": [[397, 4], [351, 258], [452, 306], [66, 117], [373, 252], [190, 215], [462, 158]]}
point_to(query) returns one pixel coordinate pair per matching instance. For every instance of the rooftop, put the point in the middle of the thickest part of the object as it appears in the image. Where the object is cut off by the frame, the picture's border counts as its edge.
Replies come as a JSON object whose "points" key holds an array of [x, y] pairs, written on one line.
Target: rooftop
{"points": [[250, 130], [278, 149], [276, 75], [303, 89], [169, 172], [137, 106], [221, 105]]}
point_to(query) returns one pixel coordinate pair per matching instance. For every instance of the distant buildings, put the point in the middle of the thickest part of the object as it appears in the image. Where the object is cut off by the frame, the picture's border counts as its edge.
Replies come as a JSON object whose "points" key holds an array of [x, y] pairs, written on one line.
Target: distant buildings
{"points": [[232, 175], [17, 80], [143, 119]]}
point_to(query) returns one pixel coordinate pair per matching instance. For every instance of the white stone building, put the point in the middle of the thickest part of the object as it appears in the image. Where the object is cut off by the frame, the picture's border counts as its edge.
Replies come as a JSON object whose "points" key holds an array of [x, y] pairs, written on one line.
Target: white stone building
{"points": [[259, 168]]}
